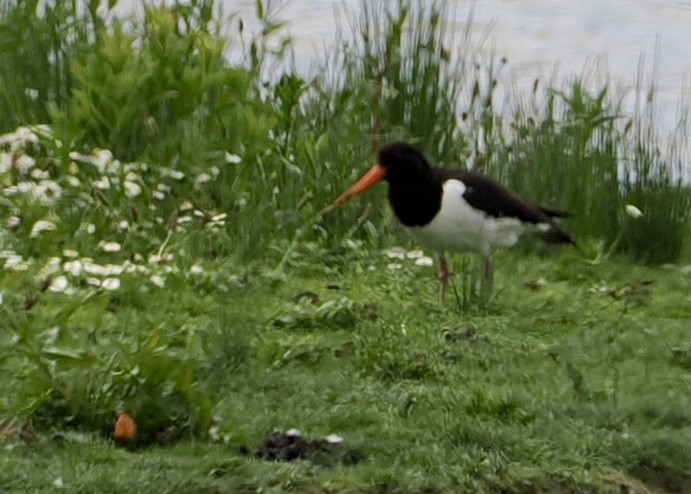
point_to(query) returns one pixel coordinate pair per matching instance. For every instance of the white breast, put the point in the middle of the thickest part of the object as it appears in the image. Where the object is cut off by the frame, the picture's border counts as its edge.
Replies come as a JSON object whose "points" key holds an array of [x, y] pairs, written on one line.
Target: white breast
{"points": [[460, 227]]}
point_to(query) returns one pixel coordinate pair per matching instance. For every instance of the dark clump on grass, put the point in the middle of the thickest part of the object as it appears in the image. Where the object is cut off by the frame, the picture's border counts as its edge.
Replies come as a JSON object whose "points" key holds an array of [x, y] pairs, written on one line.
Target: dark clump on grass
{"points": [[292, 446]]}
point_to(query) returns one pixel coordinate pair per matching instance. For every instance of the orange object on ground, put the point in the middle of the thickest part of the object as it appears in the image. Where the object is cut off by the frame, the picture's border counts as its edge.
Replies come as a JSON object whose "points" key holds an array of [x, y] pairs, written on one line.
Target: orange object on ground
{"points": [[125, 428]]}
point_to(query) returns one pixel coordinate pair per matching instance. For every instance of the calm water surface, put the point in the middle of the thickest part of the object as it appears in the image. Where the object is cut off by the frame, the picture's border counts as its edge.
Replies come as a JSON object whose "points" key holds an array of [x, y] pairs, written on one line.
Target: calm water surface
{"points": [[546, 39]]}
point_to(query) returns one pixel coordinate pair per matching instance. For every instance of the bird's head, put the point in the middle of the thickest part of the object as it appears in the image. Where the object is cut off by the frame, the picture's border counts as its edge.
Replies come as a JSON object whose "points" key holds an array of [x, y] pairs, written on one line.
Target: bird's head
{"points": [[398, 161]]}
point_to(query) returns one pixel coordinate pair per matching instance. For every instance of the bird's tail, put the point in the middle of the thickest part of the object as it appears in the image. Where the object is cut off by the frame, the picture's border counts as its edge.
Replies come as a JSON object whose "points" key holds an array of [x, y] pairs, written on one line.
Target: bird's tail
{"points": [[552, 233], [555, 213], [556, 235]]}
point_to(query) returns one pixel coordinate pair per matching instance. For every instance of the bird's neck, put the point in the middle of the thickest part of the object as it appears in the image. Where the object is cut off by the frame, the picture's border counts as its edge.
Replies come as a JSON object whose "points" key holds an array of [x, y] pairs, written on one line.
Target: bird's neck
{"points": [[415, 202]]}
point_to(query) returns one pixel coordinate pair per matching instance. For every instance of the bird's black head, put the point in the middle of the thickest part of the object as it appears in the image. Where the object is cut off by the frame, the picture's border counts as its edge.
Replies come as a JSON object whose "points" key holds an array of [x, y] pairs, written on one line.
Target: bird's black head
{"points": [[408, 173], [403, 162]]}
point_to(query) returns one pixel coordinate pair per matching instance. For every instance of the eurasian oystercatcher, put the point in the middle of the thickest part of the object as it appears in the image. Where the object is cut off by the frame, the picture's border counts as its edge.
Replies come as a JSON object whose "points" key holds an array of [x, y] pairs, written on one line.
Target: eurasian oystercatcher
{"points": [[455, 210]]}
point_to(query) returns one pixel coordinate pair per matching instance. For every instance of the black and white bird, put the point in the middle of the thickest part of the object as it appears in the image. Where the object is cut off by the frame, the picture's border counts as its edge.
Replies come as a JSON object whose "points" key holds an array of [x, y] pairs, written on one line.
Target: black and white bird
{"points": [[454, 210]]}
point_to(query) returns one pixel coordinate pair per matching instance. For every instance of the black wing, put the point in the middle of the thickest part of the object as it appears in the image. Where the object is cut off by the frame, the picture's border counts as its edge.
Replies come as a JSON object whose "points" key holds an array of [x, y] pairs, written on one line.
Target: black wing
{"points": [[500, 202], [495, 199]]}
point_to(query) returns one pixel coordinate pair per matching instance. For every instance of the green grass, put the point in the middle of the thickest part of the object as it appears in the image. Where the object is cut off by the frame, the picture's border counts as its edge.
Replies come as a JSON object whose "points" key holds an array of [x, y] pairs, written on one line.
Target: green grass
{"points": [[577, 386], [162, 253]]}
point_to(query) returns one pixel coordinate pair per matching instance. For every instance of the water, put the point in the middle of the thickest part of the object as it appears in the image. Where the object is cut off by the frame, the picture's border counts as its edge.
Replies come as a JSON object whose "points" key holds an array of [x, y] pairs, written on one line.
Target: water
{"points": [[545, 39], [550, 40]]}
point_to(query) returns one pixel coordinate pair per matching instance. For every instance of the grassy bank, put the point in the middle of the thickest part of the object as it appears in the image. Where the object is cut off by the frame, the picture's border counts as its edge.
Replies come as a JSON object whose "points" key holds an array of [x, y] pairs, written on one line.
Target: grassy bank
{"points": [[161, 254], [575, 381]]}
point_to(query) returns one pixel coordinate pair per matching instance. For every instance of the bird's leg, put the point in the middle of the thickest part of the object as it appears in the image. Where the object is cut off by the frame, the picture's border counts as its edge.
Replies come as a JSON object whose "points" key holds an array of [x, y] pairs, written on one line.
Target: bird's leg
{"points": [[443, 276], [487, 278]]}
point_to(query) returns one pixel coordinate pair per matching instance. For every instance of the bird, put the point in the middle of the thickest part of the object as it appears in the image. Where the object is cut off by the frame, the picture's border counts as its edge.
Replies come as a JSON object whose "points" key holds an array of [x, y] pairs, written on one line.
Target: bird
{"points": [[454, 210]]}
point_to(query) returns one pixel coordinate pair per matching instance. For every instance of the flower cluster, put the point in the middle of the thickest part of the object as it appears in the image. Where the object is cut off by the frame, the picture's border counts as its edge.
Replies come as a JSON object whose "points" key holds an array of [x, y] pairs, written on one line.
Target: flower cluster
{"points": [[417, 257], [71, 225]]}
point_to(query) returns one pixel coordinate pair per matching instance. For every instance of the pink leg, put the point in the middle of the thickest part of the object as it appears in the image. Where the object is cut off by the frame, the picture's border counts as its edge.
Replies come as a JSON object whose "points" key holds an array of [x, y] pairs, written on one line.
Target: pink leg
{"points": [[443, 276], [488, 270], [487, 279]]}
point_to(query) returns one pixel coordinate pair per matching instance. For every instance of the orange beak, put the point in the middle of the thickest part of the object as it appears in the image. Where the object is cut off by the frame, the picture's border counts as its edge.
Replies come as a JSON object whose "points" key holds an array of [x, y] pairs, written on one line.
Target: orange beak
{"points": [[374, 175]]}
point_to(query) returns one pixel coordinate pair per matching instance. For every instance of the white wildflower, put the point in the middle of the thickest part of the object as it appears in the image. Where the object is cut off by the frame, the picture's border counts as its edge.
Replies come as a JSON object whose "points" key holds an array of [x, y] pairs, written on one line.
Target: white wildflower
{"points": [[633, 211], [73, 181], [47, 192], [24, 163], [42, 226], [333, 439], [26, 136], [102, 183], [42, 130], [101, 158], [90, 228], [15, 262], [158, 280], [2, 298], [174, 174], [110, 284], [52, 266], [74, 155], [197, 269], [13, 221], [25, 187], [73, 267], [58, 284], [293, 432], [159, 195], [94, 269], [5, 162], [395, 253], [186, 205], [31, 93], [394, 266], [414, 254], [70, 253], [10, 191], [215, 171], [219, 217], [424, 261], [132, 189], [233, 159], [109, 246], [161, 258], [203, 178], [123, 226], [93, 281], [19, 138], [38, 174], [115, 269]]}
